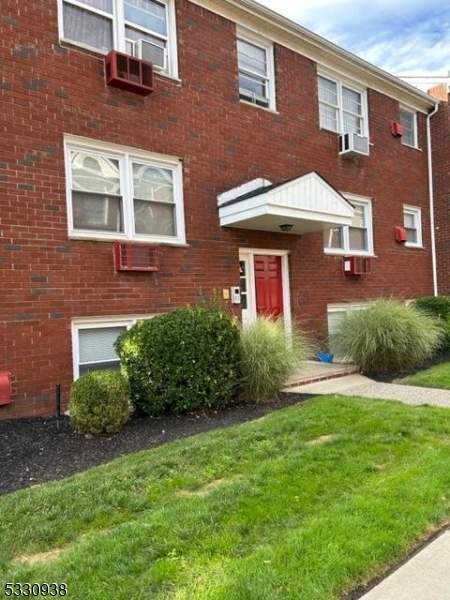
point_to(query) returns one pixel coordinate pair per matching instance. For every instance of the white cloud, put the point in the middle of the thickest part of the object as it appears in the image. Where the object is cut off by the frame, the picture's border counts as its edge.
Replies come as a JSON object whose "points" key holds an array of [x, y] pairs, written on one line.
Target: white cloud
{"points": [[404, 37]]}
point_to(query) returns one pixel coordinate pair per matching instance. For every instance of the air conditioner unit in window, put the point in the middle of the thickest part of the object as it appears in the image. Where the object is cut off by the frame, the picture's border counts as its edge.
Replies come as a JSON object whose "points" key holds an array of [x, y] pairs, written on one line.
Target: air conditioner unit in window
{"points": [[353, 144], [128, 73], [151, 52], [356, 265], [136, 257]]}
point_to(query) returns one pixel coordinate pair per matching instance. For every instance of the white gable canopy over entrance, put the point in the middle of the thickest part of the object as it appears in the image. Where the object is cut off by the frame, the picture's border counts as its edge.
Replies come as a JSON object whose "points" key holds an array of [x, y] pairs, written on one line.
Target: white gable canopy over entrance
{"points": [[299, 205]]}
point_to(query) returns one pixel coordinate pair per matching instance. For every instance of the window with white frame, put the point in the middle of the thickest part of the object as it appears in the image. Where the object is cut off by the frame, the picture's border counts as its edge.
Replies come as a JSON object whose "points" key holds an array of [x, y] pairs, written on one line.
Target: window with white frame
{"points": [[412, 222], [356, 238], [118, 193], [335, 314], [408, 119], [93, 343], [122, 25], [342, 108], [256, 71]]}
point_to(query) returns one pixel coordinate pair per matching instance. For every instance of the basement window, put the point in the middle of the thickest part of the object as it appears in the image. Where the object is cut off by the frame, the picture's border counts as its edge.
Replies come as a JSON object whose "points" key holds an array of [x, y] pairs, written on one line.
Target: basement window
{"points": [[93, 343]]}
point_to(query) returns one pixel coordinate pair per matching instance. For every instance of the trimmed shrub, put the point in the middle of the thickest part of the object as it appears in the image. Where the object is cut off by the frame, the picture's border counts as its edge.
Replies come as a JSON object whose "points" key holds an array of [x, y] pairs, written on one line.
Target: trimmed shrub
{"points": [[99, 402], [439, 307], [269, 358], [388, 336], [184, 360]]}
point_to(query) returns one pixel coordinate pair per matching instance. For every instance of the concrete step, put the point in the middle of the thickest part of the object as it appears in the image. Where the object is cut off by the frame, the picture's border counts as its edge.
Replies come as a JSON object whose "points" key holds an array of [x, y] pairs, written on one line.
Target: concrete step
{"points": [[339, 384], [313, 371]]}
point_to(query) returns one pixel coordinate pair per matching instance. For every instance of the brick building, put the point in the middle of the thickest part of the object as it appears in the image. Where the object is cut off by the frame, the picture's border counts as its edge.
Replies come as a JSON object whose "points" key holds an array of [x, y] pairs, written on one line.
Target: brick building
{"points": [[252, 154]]}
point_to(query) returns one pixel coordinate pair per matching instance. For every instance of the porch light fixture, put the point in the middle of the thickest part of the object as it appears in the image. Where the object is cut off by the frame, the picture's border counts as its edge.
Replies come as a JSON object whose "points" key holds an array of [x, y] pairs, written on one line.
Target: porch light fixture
{"points": [[286, 227]]}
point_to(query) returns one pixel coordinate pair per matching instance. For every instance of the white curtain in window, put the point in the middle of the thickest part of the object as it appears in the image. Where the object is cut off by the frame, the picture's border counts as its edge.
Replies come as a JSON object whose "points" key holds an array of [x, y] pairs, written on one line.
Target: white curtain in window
{"points": [[153, 200], [328, 91], [87, 27], [328, 103]]}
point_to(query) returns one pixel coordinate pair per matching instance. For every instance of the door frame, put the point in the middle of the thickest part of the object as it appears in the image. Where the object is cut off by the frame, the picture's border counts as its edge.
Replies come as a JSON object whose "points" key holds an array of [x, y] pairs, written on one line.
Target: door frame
{"points": [[247, 255]]}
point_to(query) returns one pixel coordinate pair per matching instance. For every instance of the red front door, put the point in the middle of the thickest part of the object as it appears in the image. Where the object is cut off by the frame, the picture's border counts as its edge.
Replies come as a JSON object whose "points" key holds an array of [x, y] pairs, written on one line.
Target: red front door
{"points": [[269, 286]]}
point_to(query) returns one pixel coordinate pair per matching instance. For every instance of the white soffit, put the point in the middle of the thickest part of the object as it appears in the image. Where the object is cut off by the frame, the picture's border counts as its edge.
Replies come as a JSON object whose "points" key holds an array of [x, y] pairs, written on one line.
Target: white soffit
{"points": [[307, 203]]}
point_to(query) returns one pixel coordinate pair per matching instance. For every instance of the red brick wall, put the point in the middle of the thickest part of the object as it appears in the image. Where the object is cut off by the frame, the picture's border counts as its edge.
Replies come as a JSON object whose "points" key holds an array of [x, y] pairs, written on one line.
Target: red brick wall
{"points": [[47, 280]]}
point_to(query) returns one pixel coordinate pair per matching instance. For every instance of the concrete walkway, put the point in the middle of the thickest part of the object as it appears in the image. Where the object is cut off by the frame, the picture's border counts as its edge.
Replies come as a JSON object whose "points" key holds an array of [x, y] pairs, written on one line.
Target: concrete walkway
{"points": [[425, 576], [359, 385]]}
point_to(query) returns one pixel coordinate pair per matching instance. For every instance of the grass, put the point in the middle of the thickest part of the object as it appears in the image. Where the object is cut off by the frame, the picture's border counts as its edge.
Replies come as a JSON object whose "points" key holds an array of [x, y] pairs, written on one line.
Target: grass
{"points": [[306, 504], [437, 376], [268, 358]]}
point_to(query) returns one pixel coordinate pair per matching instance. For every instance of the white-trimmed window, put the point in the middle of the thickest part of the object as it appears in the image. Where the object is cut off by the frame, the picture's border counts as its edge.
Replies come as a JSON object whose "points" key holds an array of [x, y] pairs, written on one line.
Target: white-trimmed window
{"points": [[93, 343], [335, 313], [356, 238], [408, 119], [115, 193], [104, 25], [256, 70], [342, 107], [412, 222]]}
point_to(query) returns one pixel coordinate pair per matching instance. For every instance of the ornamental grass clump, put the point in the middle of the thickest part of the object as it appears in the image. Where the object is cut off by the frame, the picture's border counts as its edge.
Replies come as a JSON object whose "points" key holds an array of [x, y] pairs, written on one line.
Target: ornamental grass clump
{"points": [[270, 357], [388, 336], [99, 402]]}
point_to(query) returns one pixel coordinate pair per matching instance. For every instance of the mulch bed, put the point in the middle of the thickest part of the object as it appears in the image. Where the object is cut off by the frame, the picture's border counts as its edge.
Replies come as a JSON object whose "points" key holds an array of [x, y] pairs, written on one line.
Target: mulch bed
{"points": [[35, 451], [38, 450]]}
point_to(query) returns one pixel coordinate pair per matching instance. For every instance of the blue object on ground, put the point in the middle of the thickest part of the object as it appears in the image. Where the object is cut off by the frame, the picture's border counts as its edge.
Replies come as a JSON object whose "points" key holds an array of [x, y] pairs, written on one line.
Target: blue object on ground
{"points": [[325, 357]]}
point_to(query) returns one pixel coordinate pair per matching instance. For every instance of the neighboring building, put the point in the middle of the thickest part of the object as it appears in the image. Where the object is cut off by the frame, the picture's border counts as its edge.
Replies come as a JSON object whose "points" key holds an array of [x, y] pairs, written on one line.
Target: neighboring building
{"points": [[233, 166], [440, 136]]}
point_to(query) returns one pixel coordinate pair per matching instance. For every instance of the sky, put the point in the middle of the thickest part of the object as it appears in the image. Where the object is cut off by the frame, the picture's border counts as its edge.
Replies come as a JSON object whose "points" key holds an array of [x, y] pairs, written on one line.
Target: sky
{"points": [[407, 38]]}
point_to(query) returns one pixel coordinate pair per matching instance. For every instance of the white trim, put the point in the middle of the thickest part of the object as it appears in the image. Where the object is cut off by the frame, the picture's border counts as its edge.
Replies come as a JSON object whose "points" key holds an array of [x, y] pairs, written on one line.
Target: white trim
{"points": [[118, 31], [412, 113], [366, 202], [342, 308], [248, 255], [416, 213], [80, 323], [353, 86], [265, 44], [172, 43], [249, 313], [125, 155], [320, 50], [308, 202], [240, 190], [119, 149]]}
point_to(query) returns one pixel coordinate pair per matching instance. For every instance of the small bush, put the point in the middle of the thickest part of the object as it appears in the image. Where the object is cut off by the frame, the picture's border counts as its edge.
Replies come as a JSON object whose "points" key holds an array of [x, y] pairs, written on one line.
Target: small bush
{"points": [[99, 402], [184, 360], [439, 307], [388, 336], [269, 358]]}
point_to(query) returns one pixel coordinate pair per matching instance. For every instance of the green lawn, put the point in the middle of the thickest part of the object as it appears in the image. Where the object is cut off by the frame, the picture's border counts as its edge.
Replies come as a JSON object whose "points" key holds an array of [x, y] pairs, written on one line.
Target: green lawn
{"points": [[437, 377], [304, 504]]}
